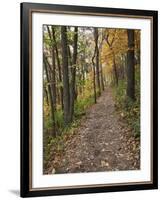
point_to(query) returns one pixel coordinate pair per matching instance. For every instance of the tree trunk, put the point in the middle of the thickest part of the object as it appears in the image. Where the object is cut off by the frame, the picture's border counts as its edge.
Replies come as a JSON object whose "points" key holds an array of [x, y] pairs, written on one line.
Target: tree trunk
{"points": [[53, 79], [50, 96], [100, 63], [53, 68], [73, 74], [94, 76], [45, 94], [102, 80], [58, 65], [94, 82], [66, 94], [69, 56], [123, 66], [97, 61], [115, 69], [130, 66]]}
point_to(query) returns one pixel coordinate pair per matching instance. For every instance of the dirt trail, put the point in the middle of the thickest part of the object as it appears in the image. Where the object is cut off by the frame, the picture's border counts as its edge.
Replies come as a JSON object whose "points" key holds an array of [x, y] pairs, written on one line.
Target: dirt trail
{"points": [[102, 142]]}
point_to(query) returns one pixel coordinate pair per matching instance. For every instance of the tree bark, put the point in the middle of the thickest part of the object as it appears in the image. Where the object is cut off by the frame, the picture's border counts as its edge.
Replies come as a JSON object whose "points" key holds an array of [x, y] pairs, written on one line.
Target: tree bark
{"points": [[45, 94], [94, 82], [130, 66], [97, 61], [53, 74], [58, 65], [94, 76], [73, 74], [54, 79], [102, 80], [100, 62], [50, 95], [115, 69], [66, 93]]}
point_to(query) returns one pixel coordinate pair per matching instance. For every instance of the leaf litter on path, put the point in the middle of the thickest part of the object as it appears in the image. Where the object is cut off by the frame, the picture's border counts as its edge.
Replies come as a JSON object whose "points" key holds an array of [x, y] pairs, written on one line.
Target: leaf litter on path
{"points": [[102, 142]]}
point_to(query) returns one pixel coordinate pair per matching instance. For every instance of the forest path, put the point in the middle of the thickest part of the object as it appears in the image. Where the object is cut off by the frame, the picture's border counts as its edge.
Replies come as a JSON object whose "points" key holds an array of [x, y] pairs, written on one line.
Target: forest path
{"points": [[102, 142]]}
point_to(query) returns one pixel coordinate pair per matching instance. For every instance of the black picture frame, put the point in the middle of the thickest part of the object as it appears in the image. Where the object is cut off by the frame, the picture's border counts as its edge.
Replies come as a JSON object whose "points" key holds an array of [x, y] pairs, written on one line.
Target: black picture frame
{"points": [[26, 15]]}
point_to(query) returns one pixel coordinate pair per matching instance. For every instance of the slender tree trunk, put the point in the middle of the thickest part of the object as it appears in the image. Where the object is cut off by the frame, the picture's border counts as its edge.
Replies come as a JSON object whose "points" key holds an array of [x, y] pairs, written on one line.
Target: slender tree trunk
{"points": [[97, 61], [82, 75], [50, 95], [66, 93], [94, 76], [130, 66], [100, 63], [46, 95], [69, 56], [58, 65], [102, 81], [54, 79], [73, 74], [80, 85], [58, 97], [53, 68], [115, 69], [122, 67], [94, 83]]}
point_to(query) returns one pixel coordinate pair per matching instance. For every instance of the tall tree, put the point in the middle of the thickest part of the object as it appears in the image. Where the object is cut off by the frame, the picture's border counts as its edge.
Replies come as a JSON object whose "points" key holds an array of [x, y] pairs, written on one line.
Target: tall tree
{"points": [[58, 64], [73, 73], [53, 68], [52, 110], [94, 75], [130, 65], [65, 70], [100, 62], [97, 60]]}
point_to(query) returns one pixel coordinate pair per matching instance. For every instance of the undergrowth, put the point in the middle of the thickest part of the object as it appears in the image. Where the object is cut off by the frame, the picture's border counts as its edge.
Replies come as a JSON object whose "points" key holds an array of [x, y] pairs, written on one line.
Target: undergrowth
{"points": [[129, 110], [56, 144]]}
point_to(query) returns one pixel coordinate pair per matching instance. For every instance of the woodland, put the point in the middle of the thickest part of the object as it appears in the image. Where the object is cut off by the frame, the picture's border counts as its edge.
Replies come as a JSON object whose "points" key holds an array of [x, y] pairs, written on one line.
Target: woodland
{"points": [[91, 99]]}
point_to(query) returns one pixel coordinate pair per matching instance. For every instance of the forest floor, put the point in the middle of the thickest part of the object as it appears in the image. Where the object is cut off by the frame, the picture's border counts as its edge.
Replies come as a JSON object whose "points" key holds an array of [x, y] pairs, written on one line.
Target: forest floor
{"points": [[102, 142]]}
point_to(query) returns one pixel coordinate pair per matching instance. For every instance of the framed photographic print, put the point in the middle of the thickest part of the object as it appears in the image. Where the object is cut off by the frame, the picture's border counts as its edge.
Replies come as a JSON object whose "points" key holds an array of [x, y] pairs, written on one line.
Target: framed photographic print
{"points": [[88, 99]]}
